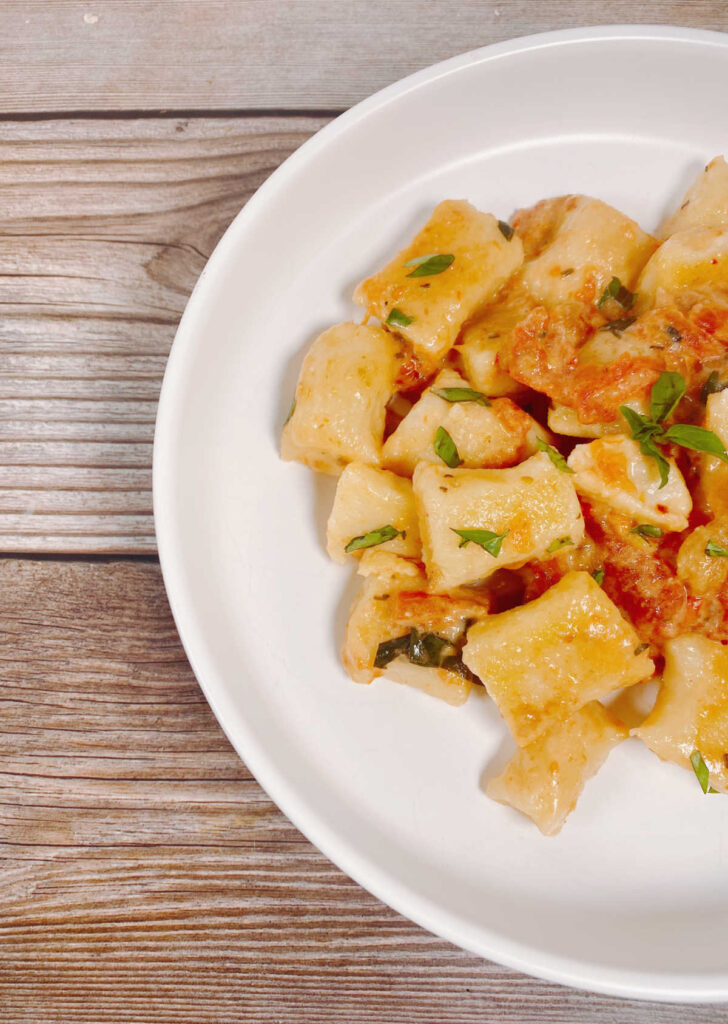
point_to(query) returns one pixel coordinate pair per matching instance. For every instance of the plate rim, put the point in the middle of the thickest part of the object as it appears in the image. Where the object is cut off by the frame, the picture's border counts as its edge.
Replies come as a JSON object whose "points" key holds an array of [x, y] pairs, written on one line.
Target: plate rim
{"points": [[482, 941]]}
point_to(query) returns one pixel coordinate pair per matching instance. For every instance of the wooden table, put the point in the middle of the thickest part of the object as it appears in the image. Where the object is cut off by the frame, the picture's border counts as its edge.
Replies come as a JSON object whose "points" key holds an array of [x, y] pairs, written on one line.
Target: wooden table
{"points": [[145, 875]]}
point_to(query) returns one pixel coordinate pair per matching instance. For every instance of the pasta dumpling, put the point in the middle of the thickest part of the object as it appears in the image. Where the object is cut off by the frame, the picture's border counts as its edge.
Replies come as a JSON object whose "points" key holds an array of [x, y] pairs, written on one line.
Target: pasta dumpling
{"points": [[545, 779], [542, 662], [400, 629], [529, 507], [705, 204], [614, 470], [458, 262], [339, 411], [496, 433], [590, 244], [372, 507], [691, 711]]}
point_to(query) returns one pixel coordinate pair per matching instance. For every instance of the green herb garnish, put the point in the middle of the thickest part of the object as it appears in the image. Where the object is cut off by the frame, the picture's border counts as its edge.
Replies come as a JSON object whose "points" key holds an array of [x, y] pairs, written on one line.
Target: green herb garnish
{"points": [[556, 457], [397, 318], [446, 448], [462, 395], [649, 432], [428, 266], [616, 327], [616, 290], [641, 648], [488, 541], [391, 649], [701, 772], [428, 650], [371, 539], [646, 530], [598, 576], [715, 550], [673, 334], [506, 230], [666, 393], [712, 386], [558, 544]]}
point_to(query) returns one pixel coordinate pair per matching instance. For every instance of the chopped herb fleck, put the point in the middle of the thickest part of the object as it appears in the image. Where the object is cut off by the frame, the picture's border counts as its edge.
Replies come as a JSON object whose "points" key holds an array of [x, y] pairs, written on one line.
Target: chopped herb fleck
{"points": [[701, 772], [391, 649], [646, 530], [488, 541], [598, 576], [712, 386], [369, 540], [428, 266], [462, 395], [397, 318], [616, 327], [641, 648], [715, 550], [568, 272], [506, 230], [558, 544], [556, 457], [616, 290], [446, 448], [673, 334]]}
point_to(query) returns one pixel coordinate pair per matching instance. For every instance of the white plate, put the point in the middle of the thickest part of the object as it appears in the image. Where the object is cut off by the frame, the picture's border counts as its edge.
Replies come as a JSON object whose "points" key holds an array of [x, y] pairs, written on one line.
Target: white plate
{"points": [[632, 897]]}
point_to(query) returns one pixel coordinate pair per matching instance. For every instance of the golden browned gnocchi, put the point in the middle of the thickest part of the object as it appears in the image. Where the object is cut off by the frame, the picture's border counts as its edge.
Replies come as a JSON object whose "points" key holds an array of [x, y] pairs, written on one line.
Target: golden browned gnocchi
{"points": [[530, 432]]}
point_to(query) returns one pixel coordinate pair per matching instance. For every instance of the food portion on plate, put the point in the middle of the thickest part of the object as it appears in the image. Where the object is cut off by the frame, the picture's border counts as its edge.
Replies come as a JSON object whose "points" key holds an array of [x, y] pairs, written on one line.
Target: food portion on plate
{"points": [[529, 431]]}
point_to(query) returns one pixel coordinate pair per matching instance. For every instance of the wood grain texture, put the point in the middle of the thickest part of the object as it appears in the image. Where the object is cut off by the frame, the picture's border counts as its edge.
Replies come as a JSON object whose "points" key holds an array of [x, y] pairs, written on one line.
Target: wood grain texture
{"points": [[219, 54], [144, 875], [104, 229]]}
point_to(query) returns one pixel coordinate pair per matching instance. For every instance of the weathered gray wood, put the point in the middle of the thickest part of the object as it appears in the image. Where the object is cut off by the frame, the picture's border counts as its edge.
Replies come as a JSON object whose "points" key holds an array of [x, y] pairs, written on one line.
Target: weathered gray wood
{"points": [[104, 229], [146, 878], [267, 54]]}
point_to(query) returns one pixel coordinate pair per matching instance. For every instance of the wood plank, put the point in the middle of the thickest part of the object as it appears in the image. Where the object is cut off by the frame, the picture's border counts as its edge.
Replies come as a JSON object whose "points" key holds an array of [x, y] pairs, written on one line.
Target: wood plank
{"points": [[146, 878], [104, 229], [218, 54]]}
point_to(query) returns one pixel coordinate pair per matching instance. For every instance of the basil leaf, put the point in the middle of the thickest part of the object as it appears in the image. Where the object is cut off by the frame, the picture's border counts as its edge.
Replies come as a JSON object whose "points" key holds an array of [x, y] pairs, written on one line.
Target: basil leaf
{"points": [[558, 544], [446, 448], [715, 550], [556, 457], [598, 576], [462, 395], [643, 431], [673, 334], [617, 326], [391, 649], [712, 386], [427, 649], [696, 439], [506, 230], [646, 530], [701, 772], [616, 290], [371, 539], [397, 318], [428, 266], [488, 541], [638, 423], [666, 393], [455, 663]]}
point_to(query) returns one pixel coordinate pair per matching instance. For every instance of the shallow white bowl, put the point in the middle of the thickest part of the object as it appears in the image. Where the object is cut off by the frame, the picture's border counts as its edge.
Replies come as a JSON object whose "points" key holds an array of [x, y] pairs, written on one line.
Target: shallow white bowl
{"points": [[632, 897]]}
